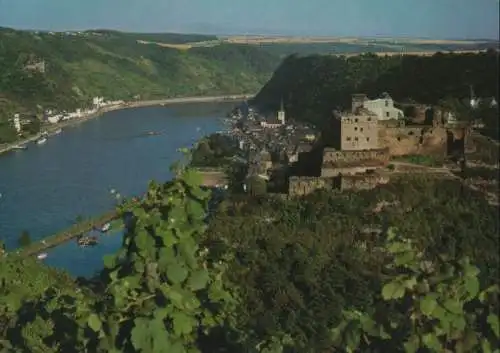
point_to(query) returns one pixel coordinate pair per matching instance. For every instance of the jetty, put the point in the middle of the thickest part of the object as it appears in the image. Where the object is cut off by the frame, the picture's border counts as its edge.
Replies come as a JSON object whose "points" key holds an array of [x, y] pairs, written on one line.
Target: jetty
{"points": [[68, 234]]}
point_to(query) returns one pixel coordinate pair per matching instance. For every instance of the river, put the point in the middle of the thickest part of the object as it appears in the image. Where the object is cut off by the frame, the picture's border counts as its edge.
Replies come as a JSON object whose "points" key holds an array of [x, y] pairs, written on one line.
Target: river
{"points": [[46, 187]]}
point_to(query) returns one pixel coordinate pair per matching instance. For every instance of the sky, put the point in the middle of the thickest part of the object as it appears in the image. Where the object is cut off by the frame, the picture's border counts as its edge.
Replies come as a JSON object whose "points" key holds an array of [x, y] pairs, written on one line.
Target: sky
{"points": [[438, 19]]}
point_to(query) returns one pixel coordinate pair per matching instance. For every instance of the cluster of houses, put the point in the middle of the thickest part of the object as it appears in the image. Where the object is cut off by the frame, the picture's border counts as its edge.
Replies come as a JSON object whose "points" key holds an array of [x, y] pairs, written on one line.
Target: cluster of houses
{"points": [[271, 143], [54, 117]]}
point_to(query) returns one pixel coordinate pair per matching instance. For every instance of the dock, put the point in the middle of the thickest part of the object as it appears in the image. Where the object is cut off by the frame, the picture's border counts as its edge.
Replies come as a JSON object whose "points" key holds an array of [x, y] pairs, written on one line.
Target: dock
{"points": [[68, 234]]}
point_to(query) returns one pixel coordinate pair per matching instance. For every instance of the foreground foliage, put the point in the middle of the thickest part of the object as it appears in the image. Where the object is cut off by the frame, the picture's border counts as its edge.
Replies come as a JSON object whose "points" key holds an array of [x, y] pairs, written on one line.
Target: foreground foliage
{"points": [[273, 275], [432, 305], [298, 264]]}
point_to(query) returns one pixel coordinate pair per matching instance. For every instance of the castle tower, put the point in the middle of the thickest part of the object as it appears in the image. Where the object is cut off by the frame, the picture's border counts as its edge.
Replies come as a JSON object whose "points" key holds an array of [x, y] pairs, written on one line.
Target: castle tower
{"points": [[358, 101], [281, 114], [473, 101]]}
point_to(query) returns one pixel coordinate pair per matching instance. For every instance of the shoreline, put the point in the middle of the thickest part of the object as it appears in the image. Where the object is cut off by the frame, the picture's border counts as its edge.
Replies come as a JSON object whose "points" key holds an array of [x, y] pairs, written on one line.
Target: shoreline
{"points": [[50, 129]]}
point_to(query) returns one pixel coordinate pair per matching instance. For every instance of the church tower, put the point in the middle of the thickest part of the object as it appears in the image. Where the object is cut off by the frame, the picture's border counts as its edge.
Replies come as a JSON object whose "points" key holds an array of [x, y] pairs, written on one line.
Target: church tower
{"points": [[281, 114]]}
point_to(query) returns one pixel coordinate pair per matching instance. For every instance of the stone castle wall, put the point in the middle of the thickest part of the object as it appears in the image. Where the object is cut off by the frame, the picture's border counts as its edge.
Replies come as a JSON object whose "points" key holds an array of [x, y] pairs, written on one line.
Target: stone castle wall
{"points": [[362, 182], [334, 172], [335, 158], [412, 140], [299, 186]]}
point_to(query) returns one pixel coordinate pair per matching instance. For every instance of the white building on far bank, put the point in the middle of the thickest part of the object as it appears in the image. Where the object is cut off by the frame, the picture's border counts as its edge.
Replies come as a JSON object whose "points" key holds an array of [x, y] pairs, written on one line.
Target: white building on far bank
{"points": [[17, 123], [97, 101]]}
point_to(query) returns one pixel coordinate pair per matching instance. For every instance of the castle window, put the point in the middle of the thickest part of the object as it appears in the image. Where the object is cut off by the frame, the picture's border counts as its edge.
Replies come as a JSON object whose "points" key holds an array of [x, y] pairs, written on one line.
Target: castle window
{"points": [[387, 114], [355, 128], [356, 120], [348, 139], [386, 103], [369, 119], [367, 139], [355, 139], [360, 129]]}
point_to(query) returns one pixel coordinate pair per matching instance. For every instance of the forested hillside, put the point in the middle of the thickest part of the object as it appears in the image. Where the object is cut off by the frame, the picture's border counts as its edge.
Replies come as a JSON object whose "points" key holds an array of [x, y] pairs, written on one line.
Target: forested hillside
{"points": [[79, 66], [314, 85], [267, 274]]}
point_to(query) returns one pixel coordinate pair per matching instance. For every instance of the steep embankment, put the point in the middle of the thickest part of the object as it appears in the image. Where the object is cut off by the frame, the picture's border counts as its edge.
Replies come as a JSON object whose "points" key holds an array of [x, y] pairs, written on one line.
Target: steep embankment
{"points": [[65, 70], [312, 86]]}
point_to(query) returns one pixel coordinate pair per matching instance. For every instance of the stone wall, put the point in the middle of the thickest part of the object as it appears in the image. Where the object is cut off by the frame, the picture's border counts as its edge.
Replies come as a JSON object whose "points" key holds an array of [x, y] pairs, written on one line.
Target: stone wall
{"points": [[362, 182], [299, 186], [486, 149], [213, 178], [413, 140], [334, 158], [334, 172]]}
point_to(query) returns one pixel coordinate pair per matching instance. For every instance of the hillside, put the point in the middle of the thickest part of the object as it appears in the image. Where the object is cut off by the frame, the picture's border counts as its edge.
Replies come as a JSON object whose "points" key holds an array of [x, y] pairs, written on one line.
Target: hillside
{"points": [[313, 86], [78, 66]]}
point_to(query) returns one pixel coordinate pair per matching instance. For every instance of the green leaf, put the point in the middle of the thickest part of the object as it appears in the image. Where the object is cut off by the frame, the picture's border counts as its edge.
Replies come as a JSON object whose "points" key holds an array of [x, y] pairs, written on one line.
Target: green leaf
{"points": [[198, 280], [192, 178], [472, 286], [139, 334], [453, 306], [176, 273], [94, 323], [183, 324], [485, 346], [109, 261], [410, 283], [428, 304], [393, 290], [412, 345], [175, 295], [196, 209], [494, 324], [431, 341], [142, 239], [369, 326], [352, 336]]}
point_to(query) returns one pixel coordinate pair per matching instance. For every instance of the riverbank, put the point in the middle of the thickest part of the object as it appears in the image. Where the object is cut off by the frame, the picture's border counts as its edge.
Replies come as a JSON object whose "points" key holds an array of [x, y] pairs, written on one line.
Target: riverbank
{"points": [[51, 129], [68, 234]]}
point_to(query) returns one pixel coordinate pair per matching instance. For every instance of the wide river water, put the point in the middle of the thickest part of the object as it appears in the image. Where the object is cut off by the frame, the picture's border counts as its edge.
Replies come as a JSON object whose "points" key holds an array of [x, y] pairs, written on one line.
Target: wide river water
{"points": [[46, 187]]}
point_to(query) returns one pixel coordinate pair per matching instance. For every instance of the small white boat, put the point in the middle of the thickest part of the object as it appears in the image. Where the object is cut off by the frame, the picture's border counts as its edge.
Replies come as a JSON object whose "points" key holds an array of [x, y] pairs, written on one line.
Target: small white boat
{"points": [[58, 131], [42, 256], [105, 228], [41, 140], [19, 147]]}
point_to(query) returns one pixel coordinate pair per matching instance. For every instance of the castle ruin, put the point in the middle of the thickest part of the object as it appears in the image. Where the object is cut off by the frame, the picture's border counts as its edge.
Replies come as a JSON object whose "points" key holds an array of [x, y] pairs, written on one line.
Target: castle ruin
{"points": [[353, 159]]}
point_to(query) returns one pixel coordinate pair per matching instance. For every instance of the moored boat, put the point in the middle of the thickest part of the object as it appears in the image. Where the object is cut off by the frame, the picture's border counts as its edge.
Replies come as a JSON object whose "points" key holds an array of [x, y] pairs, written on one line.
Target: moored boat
{"points": [[42, 256], [105, 227], [19, 147], [58, 131], [41, 140], [87, 241]]}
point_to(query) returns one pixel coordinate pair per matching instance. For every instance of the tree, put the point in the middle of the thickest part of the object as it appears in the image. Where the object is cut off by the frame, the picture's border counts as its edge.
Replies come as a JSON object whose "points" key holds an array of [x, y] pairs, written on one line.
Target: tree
{"points": [[433, 305], [24, 239], [256, 186]]}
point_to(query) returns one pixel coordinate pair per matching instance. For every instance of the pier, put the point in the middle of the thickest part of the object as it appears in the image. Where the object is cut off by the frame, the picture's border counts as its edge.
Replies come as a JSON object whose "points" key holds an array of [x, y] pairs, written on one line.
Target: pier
{"points": [[68, 234]]}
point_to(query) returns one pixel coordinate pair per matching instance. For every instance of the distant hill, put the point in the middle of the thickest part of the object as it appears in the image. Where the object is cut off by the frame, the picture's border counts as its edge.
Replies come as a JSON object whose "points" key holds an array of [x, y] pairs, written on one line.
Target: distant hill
{"points": [[65, 69]]}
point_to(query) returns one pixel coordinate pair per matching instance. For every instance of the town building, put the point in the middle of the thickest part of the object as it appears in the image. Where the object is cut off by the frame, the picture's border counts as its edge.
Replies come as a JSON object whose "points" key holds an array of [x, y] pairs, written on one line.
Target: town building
{"points": [[281, 114], [382, 107]]}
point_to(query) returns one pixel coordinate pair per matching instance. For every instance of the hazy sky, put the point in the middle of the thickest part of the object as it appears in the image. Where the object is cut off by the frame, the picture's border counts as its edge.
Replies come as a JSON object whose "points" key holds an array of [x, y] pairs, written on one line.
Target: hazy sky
{"points": [[415, 18]]}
